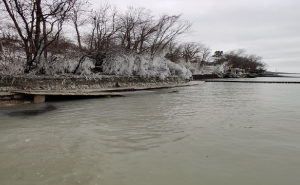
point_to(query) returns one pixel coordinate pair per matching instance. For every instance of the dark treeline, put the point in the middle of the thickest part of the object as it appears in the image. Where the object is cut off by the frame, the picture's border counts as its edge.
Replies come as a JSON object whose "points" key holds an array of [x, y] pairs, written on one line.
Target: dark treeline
{"points": [[38, 27], [239, 59]]}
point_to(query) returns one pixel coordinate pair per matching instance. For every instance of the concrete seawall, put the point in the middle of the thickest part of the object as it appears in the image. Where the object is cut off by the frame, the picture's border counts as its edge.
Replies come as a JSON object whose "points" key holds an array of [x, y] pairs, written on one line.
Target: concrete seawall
{"points": [[38, 88], [74, 83]]}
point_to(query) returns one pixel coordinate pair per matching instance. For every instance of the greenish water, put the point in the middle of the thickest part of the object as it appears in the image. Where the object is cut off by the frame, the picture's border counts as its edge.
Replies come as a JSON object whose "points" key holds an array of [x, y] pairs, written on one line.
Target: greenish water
{"points": [[211, 134]]}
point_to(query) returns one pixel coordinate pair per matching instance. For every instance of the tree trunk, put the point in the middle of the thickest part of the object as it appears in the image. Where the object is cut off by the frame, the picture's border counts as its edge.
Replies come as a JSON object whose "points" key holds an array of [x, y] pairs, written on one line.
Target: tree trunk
{"points": [[38, 24], [29, 58], [78, 35], [45, 39]]}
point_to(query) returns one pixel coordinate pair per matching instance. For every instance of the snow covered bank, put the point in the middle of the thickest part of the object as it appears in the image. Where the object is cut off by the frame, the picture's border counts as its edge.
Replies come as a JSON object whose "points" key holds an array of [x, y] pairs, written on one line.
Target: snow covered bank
{"points": [[117, 63], [143, 66]]}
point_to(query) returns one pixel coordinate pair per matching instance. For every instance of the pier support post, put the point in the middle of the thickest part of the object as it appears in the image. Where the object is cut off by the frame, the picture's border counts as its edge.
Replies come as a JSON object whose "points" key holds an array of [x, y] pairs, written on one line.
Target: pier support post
{"points": [[39, 98]]}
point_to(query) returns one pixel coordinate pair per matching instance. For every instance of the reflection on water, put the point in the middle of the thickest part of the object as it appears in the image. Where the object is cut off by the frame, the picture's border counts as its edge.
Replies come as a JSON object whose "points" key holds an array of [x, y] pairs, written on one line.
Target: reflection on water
{"points": [[38, 109], [216, 133]]}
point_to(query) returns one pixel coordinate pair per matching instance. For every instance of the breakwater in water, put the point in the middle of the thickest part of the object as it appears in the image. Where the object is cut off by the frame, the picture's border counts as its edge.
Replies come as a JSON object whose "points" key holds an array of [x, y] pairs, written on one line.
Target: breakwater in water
{"points": [[240, 81]]}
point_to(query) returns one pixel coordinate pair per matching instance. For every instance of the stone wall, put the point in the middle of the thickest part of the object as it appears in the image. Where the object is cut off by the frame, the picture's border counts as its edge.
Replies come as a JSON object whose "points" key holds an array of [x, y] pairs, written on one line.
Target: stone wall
{"points": [[75, 82]]}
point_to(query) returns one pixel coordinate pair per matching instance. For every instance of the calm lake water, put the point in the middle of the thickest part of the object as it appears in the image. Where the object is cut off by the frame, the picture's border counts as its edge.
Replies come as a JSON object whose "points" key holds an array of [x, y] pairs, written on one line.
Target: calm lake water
{"points": [[211, 134]]}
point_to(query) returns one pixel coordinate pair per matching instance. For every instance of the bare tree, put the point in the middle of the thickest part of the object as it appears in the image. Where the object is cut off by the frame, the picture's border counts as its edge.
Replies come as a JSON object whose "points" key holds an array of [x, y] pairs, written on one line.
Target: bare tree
{"points": [[135, 30], [239, 59], [145, 28], [104, 28], [140, 32], [174, 52], [35, 21], [168, 29], [190, 52], [205, 54], [218, 54], [129, 23], [78, 15]]}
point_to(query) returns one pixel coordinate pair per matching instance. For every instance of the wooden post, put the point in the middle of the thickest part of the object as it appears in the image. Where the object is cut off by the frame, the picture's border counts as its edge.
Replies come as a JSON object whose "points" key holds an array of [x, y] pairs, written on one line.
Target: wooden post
{"points": [[39, 98]]}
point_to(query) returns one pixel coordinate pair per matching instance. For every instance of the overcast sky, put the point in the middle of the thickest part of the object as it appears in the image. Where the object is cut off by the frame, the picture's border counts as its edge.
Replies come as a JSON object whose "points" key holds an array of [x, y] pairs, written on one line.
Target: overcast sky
{"points": [[268, 28]]}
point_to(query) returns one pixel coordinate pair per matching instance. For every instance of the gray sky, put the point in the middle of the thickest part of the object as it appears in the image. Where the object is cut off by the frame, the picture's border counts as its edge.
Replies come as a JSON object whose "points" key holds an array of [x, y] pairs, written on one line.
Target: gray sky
{"points": [[268, 28]]}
